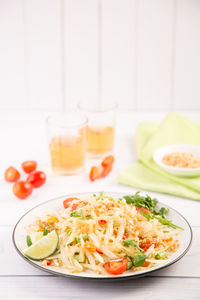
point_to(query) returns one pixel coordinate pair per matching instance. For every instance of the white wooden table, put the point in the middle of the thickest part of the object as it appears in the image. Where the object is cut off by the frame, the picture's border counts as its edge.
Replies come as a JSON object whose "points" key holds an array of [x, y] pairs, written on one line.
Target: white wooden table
{"points": [[23, 137]]}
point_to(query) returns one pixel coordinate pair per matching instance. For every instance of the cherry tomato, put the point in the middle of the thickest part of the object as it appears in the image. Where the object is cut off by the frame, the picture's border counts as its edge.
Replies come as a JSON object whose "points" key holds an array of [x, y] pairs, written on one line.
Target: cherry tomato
{"points": [[145, 264], [99, 251], [147, 244], [108, 160], [94, 173], [124, 236], [74, 206], [11, 174], [102, 222], [67, 202], [37, 178], [106, 170], [22, 189], [29, 166], [145, 210], [90, 247], [116, 266]]}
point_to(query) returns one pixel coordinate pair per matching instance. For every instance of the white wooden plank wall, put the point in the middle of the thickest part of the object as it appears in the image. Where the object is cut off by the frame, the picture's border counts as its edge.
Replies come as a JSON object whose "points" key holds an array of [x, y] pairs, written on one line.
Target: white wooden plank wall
{"points": [[142, 53]]}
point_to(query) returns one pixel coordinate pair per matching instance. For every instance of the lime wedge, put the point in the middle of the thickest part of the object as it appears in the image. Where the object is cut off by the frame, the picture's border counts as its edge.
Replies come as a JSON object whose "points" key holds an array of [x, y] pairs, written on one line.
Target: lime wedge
{"points": [[36, 236], [43, 248]]}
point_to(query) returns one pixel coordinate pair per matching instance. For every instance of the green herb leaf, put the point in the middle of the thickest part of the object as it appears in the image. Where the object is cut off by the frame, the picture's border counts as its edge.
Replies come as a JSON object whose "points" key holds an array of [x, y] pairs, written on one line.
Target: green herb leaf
{"points": [[141, 201], [77, 239], [163, 211], [69, 231], [82, 214], [130, 264], [131, 242], [169, 223], [28, 241], [45, 230], [147, 216], [85, 237], [150, 204], [161, 255], [89, 217], [75, 214], [76, 256], [139, 260]]}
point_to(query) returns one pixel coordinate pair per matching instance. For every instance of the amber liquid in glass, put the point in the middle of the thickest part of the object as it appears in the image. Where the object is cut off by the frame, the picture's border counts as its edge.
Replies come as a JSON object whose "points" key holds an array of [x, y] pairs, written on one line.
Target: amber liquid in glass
{"points": [[67, 154], [100, 140]]}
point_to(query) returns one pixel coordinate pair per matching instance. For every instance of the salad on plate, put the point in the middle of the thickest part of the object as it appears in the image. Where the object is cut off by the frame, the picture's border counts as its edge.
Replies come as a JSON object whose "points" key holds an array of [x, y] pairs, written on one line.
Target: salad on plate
{"points": [[103, 234]]}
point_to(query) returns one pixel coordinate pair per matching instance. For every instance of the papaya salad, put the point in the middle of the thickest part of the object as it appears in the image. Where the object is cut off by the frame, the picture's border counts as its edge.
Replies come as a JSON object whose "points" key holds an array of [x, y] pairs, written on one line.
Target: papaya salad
{"points": [[103, 234]]}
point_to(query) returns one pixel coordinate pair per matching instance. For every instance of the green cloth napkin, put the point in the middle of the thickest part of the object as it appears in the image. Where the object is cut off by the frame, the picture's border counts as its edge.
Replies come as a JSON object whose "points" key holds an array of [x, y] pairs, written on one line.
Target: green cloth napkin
{"points": [[146, 174]]}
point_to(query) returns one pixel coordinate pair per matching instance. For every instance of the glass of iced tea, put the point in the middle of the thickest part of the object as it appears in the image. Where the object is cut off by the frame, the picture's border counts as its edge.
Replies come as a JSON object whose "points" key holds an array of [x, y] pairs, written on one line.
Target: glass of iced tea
{"points": [[100, 127], [67, 142]]}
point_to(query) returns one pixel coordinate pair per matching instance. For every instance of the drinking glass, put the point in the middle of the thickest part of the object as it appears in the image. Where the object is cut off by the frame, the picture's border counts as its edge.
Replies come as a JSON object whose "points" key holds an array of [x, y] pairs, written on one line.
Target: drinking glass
{"points": [[67, 142], [100, 127]]}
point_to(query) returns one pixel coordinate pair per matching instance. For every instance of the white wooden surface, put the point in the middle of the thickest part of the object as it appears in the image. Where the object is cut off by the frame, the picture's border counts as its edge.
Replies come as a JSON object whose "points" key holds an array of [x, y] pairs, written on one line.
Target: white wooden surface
{"points": [[23, 136], [143, 53]]}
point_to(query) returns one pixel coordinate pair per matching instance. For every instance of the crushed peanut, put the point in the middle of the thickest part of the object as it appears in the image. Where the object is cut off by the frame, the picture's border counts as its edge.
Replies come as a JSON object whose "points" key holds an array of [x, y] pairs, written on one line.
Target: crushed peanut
{"points": [[181, 160]]}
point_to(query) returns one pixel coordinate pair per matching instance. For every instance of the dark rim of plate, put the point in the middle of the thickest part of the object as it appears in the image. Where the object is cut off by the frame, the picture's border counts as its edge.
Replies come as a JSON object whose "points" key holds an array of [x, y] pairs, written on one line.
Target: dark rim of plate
{"points": [[111, 278]]}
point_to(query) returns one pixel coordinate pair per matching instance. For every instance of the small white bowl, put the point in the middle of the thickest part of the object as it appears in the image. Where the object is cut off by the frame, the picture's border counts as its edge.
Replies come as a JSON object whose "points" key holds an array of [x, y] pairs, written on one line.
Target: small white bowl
{"points": [[183, 172]]}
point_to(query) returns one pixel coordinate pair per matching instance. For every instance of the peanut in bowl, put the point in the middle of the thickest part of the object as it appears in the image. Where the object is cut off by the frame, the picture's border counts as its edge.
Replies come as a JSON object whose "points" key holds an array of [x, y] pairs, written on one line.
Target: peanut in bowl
{"points": [[179, 159]]}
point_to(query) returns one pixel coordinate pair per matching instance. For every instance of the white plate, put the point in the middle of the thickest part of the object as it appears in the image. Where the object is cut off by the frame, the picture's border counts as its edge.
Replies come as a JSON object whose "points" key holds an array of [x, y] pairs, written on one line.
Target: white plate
{"points": [[183, 172], [20, 232]]}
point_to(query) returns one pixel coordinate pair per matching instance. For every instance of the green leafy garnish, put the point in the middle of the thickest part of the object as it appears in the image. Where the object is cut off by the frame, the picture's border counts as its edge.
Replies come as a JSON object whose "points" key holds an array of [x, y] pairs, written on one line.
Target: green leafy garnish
{"points": [[163, 211], [82, 214], [169, 223], [147, 216], [28, 241], [130, 264], [76, 256], [131, 242], [88, 217], [45, 229], [85, 237], [100, 197], [142, 201], [150, 204], [69, 231], [139, 260], [75, 214], [161, 255], [77, 239]]}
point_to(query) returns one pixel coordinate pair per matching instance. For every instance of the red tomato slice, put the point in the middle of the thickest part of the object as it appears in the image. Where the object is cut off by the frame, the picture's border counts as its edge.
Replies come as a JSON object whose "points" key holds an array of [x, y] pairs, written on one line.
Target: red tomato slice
{"points": [[29, 166], [102, 222], [124, 236], [67, 202], [94, 173], [37, 178], [22, 189], [11, 174], [147, 244], [145, 264], [99, 251], [145, 210], [108, 160], [116, 266]]}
